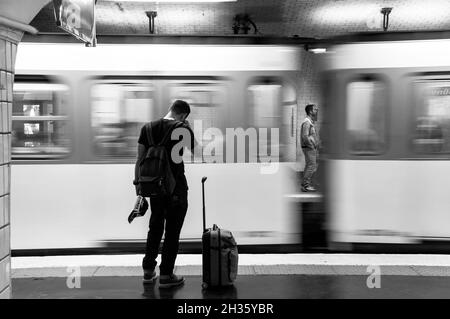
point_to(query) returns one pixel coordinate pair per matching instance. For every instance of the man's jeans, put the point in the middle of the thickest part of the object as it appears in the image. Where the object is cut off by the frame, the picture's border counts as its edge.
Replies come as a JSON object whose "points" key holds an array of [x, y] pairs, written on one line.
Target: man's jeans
{"points": [[310, 165], [172, 210]]}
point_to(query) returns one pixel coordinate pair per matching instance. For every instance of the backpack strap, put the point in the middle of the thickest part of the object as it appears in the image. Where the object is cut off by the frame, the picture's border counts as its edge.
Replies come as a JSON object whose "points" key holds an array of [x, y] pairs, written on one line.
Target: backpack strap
{"points": [[149, 134], [169, 132]]}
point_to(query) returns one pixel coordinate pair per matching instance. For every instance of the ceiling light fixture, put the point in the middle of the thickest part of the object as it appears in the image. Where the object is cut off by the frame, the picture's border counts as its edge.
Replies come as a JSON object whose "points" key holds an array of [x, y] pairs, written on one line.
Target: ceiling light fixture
{"points": [[168, 1], [318, 50], [386, 12], [151, 16]]}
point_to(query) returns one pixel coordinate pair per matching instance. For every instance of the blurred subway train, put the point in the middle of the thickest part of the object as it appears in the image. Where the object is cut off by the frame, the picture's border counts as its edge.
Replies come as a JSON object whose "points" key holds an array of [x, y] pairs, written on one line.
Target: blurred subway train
{"points": [[385, 125], [76, 116], [387, 105]]}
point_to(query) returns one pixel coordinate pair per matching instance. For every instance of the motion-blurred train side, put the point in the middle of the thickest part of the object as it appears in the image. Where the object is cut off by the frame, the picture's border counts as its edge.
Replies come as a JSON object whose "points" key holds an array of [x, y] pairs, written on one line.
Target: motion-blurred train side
{"points": [[386, 132], [76, 116], [387, 103]]}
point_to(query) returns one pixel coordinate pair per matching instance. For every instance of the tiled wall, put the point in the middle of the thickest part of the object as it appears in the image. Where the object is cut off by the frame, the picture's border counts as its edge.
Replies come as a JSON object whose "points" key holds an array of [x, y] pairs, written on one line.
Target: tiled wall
{"points": [[308, 92], [8, 47]]}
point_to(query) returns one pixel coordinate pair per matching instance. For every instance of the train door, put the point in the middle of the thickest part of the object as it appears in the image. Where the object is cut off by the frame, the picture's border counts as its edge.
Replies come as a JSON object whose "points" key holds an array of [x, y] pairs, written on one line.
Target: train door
{"points": [[43, 143], [429, 142], [272, 113]]}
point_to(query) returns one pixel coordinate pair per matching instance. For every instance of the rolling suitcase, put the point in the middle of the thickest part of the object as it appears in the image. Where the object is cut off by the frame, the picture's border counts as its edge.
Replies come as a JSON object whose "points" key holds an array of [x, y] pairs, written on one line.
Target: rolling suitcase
{"points": [[219, 254]]}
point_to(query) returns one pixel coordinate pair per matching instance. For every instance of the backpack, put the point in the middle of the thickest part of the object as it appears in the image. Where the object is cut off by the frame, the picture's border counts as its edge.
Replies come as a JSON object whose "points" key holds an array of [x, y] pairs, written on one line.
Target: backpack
{"points": [[155, 175]]}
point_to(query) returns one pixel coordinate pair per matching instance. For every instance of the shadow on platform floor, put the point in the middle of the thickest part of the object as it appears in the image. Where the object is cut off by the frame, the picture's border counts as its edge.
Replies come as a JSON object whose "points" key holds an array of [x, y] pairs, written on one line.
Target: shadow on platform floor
{"points": [[246, 287]]}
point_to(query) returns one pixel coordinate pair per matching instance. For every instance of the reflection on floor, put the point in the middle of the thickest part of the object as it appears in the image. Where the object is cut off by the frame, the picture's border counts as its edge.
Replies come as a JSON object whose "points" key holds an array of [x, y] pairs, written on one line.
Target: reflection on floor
{"points": [[246, 287]]}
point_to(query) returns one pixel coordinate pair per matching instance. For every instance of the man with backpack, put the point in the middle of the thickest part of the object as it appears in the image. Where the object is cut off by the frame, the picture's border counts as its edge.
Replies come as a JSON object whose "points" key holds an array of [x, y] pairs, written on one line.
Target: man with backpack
{"points": [[160, 176]]}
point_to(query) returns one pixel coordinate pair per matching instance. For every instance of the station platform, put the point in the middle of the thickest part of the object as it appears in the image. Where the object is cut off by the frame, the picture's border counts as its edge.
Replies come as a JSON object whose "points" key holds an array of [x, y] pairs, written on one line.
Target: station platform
{"points": [[261, 276]]}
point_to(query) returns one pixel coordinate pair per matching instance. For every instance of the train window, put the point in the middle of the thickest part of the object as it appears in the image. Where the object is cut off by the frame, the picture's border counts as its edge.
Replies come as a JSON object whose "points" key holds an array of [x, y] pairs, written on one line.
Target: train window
{"points": [[432, 117], [119, 110], [207, 110], [366, 117], [273, 106], [40, 127], [265, 101]]}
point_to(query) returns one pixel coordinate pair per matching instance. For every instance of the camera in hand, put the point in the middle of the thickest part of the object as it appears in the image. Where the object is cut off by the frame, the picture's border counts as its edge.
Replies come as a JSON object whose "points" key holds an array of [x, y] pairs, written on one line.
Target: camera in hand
{"points": [[140, 208]]}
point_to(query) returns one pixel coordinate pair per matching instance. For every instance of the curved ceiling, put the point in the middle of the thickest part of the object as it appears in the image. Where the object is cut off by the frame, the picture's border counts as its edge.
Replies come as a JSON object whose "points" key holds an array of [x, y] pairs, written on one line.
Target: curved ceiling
{"points": [[306, 18]]}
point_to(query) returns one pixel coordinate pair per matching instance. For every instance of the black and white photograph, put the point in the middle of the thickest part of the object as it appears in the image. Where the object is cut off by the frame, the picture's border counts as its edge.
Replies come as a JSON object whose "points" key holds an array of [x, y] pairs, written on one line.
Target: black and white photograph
{"points": [[227, 155]]}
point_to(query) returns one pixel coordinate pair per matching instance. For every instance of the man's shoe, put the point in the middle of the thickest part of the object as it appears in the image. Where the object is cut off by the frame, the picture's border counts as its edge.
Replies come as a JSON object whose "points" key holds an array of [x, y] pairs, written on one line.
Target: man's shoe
{"points": [[169, 281], [149, 276], [308, 189]]}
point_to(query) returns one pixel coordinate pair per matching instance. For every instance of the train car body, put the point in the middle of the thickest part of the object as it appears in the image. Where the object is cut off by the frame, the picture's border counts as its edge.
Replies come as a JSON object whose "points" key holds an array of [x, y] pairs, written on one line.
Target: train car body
{"points": [[387, 103], [77, 115]]}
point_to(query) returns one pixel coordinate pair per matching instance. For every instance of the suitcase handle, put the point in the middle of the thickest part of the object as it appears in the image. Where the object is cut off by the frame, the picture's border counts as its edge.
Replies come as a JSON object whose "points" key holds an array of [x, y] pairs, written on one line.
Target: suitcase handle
{"points": [[203, 199]]}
